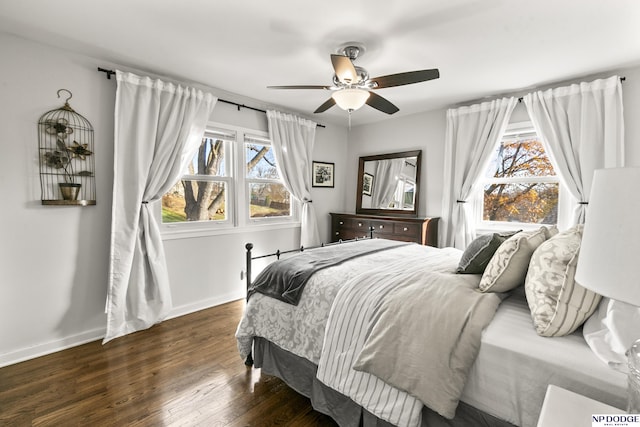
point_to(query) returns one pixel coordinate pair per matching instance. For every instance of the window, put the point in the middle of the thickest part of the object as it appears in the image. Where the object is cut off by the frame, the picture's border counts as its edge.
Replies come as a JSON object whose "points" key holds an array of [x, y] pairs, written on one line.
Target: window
{"points": [[268, 196], [232, 181], [404, 196], [520, 185], [202, 193]]}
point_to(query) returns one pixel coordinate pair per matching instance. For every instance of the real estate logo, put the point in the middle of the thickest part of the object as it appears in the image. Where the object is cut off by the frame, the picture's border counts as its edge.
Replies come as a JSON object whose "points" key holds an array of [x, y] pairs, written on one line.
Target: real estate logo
{"points": [[615, 420]]}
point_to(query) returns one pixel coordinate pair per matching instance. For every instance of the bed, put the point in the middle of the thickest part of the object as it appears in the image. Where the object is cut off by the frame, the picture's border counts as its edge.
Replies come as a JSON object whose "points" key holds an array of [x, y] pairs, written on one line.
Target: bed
{"points": [[336, 343]]}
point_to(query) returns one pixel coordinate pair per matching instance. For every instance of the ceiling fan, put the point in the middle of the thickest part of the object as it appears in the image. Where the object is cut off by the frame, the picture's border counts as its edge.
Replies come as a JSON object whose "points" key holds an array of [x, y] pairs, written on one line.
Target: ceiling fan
{"points": [[352, 87]]}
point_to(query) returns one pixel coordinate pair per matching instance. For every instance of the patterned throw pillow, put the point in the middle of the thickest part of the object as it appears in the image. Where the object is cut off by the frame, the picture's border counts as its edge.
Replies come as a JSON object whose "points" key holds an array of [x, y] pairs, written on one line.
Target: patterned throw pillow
{"points": [[479, 252], [558, 304], [508, 267]]}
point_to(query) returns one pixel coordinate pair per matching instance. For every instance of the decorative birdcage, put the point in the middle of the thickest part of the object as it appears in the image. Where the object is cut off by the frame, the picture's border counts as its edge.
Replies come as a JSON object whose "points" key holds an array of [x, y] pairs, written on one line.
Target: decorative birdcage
{"points": [[67, 166]]}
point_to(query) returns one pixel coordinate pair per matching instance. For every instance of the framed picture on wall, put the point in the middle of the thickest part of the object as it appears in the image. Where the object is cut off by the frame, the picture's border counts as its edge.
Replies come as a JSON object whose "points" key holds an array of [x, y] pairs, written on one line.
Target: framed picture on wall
{"points": [[367, 184], [323, 174]]}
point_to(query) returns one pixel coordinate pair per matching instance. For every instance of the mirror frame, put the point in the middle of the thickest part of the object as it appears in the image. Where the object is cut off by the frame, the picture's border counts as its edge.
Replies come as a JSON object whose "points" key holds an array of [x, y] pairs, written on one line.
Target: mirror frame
{"points": [[395, 212]]}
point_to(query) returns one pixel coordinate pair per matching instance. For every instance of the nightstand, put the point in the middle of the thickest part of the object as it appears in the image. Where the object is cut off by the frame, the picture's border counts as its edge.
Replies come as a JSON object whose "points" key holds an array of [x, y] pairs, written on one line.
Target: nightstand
{"points": [[564, 408]]}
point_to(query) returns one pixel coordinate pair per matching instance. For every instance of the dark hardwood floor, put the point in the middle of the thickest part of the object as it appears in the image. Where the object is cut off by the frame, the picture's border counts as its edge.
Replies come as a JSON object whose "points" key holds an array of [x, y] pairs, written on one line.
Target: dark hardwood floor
{"points": [[182, 372]]}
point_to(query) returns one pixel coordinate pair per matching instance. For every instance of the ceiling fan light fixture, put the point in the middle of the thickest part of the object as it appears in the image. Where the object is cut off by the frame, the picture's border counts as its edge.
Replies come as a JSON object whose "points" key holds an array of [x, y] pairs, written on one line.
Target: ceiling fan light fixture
{"points": [[350, 99]]}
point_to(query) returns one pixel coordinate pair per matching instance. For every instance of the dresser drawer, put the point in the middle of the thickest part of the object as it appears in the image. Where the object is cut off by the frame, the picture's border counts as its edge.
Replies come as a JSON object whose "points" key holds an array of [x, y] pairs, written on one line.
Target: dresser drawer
{"points": [[346, 228], [342, 222], [382, 227], [360, 224], [407, 229]]}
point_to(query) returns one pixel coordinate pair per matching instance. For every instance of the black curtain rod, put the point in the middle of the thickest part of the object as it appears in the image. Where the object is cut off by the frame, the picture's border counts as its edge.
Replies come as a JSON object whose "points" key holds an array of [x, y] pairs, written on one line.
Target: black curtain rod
{"points": [[621, 80], [111, 72]]}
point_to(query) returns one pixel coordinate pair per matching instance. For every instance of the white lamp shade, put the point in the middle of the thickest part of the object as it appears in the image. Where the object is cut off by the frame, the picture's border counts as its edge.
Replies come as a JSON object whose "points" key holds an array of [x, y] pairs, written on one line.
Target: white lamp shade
{"points": [[350, 99], [609, 259]]}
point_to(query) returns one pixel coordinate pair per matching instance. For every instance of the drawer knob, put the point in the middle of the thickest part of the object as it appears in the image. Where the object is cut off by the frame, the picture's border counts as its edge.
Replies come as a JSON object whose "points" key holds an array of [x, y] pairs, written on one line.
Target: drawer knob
{"points": [[405, 229], [337, 233], [381, 227], [359, 224], [341, 222]]}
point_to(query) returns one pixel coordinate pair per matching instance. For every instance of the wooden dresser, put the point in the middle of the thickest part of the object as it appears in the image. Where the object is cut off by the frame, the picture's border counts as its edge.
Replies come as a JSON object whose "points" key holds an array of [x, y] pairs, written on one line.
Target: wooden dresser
{"points": [[407, 229]]}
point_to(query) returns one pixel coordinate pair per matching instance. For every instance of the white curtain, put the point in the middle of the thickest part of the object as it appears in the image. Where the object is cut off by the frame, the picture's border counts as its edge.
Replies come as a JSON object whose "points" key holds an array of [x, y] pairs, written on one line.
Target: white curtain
{"points": [[385, 182], [158, 128], [471, 136], [292, 139], [583, 128]]}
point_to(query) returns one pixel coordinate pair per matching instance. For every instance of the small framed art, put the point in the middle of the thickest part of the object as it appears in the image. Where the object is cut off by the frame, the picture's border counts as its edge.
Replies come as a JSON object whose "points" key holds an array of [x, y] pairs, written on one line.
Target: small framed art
{"points": [[367, 184], [323, 174]]}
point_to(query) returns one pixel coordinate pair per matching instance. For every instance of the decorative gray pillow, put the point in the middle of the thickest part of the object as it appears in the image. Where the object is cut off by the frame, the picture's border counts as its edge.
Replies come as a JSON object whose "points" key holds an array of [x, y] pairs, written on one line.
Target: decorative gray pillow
{"points": [[479, 252], [558, 304], [507, 268]]}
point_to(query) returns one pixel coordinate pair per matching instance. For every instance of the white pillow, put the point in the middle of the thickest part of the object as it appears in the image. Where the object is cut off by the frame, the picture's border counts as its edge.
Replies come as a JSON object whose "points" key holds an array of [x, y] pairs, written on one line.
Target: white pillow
{"points": [[558, 304], [611, 330], [508, 266]]}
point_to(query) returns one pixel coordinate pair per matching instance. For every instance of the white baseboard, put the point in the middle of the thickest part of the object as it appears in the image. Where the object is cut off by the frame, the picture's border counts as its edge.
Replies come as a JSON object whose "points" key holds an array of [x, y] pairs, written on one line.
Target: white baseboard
{"points": [[207, 303], [33, 352], [29, 353]]}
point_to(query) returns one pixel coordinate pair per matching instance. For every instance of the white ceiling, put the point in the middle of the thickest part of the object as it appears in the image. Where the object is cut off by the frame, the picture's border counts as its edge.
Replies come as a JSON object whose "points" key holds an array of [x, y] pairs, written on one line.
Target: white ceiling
{"points": [[481, 47]]}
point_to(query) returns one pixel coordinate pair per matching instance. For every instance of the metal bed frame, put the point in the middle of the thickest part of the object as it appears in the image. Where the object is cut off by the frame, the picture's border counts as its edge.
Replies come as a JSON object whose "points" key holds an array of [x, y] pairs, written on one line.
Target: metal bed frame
{"points": [[278, 253]]}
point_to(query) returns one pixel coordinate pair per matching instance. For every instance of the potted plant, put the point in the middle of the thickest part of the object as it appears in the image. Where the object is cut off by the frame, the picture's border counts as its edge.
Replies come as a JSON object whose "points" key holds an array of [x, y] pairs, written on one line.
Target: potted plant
{"points": [[61, 157]]}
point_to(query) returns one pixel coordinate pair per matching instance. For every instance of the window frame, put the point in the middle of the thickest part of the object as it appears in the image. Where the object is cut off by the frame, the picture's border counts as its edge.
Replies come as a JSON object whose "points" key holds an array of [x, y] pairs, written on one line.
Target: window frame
{"points": [[515, 130], [238, 196], [261, 138], [405, 182]]}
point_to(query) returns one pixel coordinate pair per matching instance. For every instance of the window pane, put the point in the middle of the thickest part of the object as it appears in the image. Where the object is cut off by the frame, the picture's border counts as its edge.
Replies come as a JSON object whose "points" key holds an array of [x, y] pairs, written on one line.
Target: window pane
{"points": [[269, 200], [195, 201], [209, 159], [261, 163], [404, 195], [520, 157], [521, 202], [409, 195]]}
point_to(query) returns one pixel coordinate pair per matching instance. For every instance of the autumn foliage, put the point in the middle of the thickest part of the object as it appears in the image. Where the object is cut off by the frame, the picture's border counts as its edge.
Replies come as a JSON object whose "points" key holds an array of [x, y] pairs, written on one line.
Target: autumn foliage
{"points": [[525, 199]]}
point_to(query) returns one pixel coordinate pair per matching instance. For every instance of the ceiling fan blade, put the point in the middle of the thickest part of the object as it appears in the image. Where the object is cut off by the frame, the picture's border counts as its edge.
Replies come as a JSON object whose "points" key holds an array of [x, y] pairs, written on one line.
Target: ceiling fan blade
{"points": [[327, 104], [299, 87], [407, 78], [344, 68], [380, 103]]}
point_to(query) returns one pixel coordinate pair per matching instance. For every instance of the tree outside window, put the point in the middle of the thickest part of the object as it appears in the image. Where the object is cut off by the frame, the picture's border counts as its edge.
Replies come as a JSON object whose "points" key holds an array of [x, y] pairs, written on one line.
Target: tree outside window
{"points": [[268, 196], [521, 185], [232, 181], [201, 193]]}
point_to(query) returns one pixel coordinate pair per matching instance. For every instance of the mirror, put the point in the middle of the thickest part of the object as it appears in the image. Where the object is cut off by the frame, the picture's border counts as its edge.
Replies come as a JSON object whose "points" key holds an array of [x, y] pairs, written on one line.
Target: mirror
{"points": [[388, 184]]}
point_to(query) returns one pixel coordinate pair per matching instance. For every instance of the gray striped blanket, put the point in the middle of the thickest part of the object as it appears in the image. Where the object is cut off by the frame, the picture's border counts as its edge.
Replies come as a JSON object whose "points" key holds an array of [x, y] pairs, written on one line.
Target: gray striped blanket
{"points": [[407, 323]]}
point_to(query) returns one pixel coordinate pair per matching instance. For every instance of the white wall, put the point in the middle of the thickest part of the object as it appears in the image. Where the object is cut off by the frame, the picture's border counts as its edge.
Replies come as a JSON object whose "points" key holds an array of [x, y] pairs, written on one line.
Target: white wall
{"points": [[424, 131], [53, 259]]}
